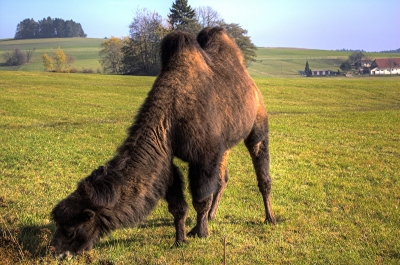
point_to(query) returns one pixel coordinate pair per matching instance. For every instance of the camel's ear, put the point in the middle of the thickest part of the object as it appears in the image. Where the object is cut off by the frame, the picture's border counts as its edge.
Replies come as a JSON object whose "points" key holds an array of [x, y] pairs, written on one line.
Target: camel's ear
{"points": [[87, 215]]}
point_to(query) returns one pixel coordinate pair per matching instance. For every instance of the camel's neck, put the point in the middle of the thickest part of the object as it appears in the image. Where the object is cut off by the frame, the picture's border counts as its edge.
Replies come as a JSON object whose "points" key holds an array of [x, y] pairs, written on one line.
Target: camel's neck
{"points": [[144, 162]]}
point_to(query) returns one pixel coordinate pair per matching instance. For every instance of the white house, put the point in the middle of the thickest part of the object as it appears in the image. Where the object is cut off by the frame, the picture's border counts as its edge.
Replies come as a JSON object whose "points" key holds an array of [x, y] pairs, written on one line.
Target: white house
{"points": [[385, 66], [364, 63], [321, 72]]}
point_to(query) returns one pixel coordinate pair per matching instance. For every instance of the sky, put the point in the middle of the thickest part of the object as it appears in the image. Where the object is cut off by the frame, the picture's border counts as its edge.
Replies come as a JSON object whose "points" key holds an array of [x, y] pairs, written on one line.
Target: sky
{"points": [[370, 25]]}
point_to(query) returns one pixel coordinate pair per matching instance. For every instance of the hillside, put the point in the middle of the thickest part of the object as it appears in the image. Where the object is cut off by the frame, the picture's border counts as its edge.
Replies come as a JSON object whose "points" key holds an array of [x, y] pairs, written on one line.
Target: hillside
{"points": [[287, 62], [271, 62], [84, 50]]}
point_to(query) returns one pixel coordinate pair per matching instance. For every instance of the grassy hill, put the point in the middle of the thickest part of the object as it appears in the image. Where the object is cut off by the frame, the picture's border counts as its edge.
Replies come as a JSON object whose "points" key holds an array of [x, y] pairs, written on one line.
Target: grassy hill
{"points": [[334, 163], [271, 62], [287, 62], [85, 51]]}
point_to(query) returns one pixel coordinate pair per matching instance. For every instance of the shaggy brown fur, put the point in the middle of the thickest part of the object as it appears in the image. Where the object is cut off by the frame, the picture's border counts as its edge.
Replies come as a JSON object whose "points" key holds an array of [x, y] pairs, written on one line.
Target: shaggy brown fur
{"points": [[201, 105]]}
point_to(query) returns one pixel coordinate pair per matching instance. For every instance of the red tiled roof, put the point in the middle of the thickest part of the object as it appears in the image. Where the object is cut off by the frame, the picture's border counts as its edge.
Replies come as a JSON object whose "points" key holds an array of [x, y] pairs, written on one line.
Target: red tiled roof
{"points": [[387, 62]]}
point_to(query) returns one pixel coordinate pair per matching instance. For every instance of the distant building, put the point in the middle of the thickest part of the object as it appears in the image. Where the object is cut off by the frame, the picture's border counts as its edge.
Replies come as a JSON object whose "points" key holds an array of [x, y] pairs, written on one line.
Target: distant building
{"points": [[385, 66], [321, 72], [364, 63]]}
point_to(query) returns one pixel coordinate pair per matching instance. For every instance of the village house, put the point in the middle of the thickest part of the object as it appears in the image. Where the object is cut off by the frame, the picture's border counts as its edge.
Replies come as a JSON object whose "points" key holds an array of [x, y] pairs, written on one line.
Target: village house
{"points": [[385, 66], [364, 63], [321, 72]]}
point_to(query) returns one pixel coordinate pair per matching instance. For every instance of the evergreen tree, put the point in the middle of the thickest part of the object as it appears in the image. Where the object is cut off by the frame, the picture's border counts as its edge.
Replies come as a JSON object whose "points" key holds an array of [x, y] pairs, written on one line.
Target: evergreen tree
{"points": [[307, 70], [182, 15]]}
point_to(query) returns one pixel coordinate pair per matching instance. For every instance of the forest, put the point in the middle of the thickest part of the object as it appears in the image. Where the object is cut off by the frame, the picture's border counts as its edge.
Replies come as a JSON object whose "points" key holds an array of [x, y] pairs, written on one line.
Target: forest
{"points": [[48, 28]]}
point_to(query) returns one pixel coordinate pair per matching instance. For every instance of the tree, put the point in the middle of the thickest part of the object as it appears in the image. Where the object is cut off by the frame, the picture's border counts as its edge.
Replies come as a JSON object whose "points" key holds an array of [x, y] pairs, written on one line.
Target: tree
{"points": [[243, 42], [15, 58], [141, 51], [111, 53], [48, 28], [27, 29], [355, 57], [29, 53], [59, 59], [208, 17], [69, 59], [307, 70], [182, 17], [345, 66], [47, 62]]}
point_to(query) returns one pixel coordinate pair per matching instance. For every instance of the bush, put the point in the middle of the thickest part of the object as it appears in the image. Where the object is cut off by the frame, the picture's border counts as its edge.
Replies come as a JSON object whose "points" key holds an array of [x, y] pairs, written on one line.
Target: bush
{"points": [[87, 71], [15, 58]]}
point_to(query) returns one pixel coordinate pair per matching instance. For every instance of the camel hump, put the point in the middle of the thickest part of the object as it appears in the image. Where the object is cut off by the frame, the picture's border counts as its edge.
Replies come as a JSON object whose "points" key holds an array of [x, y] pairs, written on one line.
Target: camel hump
{"points": [[209, 36], [176, 43], [217, 42]]}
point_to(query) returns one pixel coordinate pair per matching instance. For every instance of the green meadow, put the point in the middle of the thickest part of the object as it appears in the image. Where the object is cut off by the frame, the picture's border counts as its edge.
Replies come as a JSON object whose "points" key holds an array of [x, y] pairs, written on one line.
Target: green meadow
{"points": [[271, 62], [85, 52], [334, 162]]}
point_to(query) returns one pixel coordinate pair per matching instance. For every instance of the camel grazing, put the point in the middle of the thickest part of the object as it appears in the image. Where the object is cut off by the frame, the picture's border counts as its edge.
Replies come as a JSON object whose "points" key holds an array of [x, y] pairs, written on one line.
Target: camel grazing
{"points": [[201, 105]]}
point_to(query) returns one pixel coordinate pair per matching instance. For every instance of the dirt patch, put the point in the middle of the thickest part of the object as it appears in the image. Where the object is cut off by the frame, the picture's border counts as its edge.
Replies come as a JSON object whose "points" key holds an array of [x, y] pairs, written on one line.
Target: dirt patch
{"points": [[10, 250], [3, 202]]}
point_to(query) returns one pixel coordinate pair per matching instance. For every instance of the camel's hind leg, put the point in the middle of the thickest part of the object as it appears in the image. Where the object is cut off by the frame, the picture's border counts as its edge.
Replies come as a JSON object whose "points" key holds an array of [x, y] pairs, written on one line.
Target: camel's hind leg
{"points": [[223, 180], [204, 183], [257, 144]]}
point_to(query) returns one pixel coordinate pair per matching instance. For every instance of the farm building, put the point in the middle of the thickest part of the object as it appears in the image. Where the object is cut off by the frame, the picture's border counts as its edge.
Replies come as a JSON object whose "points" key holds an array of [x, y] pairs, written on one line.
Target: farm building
{"points": [[321, 72], [364, 63], [385, 66]]}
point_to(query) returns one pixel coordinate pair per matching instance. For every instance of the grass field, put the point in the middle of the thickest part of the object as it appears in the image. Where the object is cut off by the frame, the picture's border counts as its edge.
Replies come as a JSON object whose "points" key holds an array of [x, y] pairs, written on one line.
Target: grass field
{"points": [[271, 62], [85, 52], [335, 166]]}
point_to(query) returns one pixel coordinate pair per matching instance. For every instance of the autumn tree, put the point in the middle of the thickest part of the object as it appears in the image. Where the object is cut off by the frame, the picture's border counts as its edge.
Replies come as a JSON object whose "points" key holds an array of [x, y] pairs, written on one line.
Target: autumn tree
{"points": [[59, 59], [57, 62], [111, 55], [47, 62]]}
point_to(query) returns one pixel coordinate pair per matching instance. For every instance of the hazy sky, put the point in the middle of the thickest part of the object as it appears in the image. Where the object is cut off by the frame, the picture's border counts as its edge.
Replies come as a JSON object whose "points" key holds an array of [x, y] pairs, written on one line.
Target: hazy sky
{"points": [[372, 25]]}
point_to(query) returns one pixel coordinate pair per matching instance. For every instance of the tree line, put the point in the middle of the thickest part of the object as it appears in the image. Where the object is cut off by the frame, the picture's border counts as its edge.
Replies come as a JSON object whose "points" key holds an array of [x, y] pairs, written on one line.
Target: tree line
{"points": [[48, 28], [139, 53]]}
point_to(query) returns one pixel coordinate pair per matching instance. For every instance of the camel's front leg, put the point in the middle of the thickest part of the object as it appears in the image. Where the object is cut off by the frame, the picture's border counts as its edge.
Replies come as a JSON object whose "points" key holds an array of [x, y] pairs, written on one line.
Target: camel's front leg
{"points": [[177, 206]]}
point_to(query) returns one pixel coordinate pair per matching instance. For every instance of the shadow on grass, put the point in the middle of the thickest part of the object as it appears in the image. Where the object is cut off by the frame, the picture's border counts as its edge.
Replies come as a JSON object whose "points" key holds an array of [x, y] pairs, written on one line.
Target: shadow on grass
{"points": [[24, 244], [36, 239], [160, 222]]}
